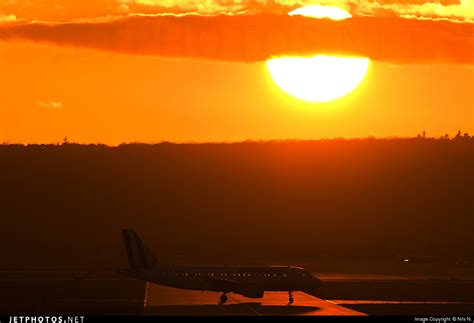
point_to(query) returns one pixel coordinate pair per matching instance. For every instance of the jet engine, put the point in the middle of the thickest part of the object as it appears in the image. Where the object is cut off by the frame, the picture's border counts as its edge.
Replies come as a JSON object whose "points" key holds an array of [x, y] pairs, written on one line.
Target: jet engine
{"points": [[251, 293]]}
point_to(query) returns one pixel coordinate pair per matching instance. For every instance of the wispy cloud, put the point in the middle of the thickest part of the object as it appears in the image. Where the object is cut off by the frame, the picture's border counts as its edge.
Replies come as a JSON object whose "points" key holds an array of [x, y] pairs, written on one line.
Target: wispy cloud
{"points": [[67, 10], [201, 6], [7, 18], [462, 11], [453, 10], [55, 105]]}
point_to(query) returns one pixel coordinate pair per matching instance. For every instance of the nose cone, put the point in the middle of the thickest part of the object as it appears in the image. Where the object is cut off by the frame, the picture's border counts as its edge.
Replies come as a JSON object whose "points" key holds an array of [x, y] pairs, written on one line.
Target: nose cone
{"points": [[311, 284], [315, 283]]}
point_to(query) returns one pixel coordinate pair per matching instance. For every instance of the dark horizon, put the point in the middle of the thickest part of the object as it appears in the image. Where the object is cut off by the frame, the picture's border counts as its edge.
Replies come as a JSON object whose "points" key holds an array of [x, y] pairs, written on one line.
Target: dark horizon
{"points": [[460, 135], [335, 199]]}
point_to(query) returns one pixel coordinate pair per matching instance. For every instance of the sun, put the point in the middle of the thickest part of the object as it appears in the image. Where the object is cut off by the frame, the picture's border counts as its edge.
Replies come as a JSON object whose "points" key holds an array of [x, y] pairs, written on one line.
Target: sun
{"points": [[318, 78], [317, 11]]}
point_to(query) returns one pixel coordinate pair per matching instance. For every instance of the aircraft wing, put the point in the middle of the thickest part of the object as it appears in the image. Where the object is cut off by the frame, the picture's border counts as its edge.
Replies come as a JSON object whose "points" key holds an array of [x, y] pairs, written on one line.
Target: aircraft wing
{"points": [[247, 289], [314, 293]]}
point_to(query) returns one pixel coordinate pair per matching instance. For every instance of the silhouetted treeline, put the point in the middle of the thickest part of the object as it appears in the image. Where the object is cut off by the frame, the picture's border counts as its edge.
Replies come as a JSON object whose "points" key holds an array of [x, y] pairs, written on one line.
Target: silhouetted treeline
{"points": [[223, 203]]}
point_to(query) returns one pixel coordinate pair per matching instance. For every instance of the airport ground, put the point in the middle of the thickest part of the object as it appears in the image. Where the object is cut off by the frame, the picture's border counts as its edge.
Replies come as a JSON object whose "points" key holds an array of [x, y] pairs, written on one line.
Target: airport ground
{"points": [[402, 290], [289, 202]]}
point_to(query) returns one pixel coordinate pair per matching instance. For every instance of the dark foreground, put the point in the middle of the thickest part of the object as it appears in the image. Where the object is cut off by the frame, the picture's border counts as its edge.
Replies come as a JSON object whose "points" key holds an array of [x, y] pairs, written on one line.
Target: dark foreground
{"points": [[388, 200], [303, 201], [87, 293]]}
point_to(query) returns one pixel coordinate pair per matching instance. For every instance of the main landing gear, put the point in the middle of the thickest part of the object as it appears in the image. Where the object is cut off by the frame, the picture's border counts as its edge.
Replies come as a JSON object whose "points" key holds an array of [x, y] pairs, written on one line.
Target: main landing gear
{"points": [[290, 299], [223, 299]]}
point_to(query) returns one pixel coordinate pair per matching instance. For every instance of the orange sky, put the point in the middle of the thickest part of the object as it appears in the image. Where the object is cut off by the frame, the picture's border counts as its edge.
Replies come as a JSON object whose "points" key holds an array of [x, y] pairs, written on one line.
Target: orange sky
{"points": [[67, 82]]}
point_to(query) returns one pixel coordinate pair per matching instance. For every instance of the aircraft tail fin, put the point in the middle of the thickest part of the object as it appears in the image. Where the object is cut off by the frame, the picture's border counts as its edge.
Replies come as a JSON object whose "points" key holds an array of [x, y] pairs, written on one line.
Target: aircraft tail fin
{"points": [[139, 255]]}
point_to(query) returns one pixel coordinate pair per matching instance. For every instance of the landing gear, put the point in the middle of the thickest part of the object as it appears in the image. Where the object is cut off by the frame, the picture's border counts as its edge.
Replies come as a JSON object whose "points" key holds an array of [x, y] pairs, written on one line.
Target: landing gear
{"points": [[223, 298], [291, 299]]}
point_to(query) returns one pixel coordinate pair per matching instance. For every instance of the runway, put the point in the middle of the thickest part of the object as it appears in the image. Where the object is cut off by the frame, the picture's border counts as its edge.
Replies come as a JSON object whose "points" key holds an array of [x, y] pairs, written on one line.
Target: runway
{"points": [[170, 301], [82, 292]]}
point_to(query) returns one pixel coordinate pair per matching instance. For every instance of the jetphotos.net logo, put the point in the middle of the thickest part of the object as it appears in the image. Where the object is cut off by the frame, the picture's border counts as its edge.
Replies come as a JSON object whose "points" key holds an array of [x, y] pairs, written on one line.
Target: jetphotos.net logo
{"points": [[46, 319]]}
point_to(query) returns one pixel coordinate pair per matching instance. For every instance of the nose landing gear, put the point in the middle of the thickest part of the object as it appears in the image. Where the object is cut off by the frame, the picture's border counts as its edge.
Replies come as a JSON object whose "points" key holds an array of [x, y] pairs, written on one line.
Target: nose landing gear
{"points": [[223, 299]]}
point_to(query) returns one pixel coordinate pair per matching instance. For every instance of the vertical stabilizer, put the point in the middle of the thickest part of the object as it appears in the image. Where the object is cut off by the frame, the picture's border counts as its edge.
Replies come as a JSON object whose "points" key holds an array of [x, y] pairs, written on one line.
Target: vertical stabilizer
{"points": [[139, 256]]}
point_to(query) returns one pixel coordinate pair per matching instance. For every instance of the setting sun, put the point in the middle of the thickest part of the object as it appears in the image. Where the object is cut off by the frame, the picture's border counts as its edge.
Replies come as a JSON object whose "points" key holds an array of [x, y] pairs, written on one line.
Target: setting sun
{"points": [[319, 78], [318, 11]]}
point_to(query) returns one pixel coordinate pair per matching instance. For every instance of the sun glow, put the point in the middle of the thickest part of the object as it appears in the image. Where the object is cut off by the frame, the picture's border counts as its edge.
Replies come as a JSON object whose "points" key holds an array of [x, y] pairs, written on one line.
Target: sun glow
{"points": [[318, 78], [317, 11]]}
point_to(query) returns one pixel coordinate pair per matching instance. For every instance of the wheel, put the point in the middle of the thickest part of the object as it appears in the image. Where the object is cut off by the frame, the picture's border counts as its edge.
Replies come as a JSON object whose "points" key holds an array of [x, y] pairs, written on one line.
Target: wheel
{"points": [[291, 300], [223, 298]]}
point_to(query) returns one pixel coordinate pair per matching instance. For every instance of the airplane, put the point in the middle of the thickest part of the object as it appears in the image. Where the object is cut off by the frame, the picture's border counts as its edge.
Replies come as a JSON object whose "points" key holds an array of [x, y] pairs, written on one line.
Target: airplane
{"points": [[248, 281]]}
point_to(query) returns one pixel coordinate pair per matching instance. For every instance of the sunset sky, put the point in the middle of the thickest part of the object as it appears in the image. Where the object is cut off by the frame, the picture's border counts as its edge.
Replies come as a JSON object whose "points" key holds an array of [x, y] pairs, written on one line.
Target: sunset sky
{"points": [[113, 71]]}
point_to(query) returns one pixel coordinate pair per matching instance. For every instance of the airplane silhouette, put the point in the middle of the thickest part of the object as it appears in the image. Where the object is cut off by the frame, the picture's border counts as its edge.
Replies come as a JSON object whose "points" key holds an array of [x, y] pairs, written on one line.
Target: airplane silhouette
{"points": [[248, 281]]}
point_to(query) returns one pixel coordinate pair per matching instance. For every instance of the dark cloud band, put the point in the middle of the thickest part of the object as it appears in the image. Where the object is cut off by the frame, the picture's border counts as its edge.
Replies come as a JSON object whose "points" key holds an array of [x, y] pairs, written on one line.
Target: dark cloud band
{"points": [[249, 38]]}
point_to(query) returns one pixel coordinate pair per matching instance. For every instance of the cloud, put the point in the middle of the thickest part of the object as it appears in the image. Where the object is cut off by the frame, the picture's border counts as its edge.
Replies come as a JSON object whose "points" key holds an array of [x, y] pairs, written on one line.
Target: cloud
{"points": [[7, 18], [250, 38], [55, 105], [462, 10], [67, 10], [123, 8], [200, 6]]}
